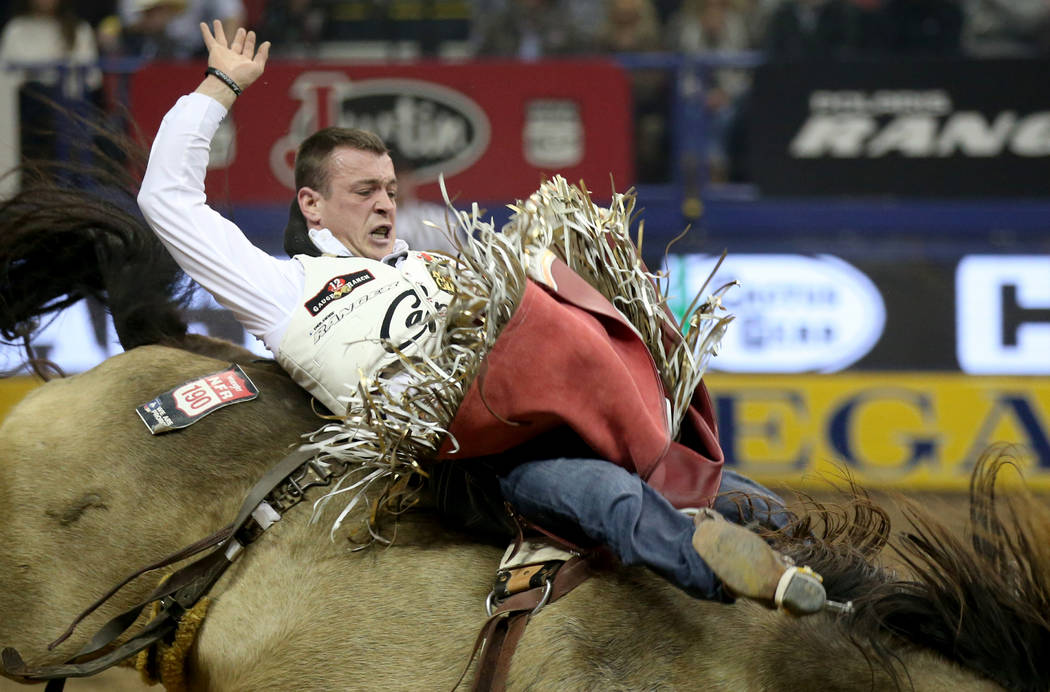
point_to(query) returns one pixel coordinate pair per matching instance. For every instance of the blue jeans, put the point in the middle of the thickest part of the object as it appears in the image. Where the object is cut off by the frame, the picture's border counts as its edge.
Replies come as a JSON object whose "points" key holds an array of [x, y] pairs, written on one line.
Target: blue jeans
{"points": [[613, 506]]}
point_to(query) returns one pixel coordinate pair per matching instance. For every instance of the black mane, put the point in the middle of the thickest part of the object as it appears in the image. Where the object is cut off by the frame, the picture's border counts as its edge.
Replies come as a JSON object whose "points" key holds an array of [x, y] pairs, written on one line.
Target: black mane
{"points": [[73, 231]]}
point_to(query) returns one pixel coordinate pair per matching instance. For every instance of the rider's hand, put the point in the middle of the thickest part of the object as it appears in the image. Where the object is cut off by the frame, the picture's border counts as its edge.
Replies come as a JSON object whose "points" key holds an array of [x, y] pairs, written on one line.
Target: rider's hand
{"points": [[239, 59]]}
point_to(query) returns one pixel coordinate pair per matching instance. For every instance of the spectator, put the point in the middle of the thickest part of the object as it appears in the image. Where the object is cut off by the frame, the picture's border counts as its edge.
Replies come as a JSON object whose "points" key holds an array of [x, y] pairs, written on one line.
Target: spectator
{"points": [[633, 26], [59, 58], [528, 30], [708, 26], [295, 26], [925, 27], [412, 212], [182, 31], [714, 26], [95, 11], [148, 36], [630, 26], [1006, 28], [758, 13], [810, 29], [588, 17]]}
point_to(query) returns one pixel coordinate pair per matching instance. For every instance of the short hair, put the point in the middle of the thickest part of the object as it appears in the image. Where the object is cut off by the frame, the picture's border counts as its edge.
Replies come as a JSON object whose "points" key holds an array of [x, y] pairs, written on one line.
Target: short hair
{"points": [[311, 160]]}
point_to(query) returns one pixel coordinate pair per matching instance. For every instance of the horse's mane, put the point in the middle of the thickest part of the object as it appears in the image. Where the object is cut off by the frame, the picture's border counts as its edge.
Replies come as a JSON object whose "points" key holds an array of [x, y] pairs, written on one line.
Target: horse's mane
{"points": [[981, 600], [73, 231]]}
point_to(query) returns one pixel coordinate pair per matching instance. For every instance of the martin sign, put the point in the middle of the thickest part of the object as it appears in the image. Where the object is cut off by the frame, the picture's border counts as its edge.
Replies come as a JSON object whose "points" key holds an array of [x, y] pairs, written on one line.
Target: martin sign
{"points": [[435, 129], [494, 129], [927, 128]]}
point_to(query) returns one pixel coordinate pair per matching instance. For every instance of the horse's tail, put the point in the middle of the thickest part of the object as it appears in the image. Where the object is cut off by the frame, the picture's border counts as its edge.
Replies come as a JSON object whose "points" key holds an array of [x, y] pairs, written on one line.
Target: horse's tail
{"points": [[73, 231], [983, 601]]}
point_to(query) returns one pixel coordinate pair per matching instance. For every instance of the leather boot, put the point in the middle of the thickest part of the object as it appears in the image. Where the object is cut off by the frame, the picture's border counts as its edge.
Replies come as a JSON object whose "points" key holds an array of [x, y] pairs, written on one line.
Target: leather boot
{"points": [[750, 568]]}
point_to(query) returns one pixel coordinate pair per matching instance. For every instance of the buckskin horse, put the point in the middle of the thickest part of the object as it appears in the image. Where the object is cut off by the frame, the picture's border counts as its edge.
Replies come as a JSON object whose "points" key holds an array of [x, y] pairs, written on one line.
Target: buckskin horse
{"points": [[90, 496]]}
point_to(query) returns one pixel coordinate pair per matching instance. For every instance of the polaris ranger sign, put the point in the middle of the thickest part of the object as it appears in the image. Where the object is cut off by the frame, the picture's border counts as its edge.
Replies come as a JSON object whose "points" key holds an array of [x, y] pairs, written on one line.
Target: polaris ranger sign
{"points": [[945, 128]]}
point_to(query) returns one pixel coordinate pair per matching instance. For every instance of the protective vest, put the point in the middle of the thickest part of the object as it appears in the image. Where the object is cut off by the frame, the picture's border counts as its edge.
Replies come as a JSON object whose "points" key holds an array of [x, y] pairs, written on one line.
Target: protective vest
{"points": [[355, 316]]}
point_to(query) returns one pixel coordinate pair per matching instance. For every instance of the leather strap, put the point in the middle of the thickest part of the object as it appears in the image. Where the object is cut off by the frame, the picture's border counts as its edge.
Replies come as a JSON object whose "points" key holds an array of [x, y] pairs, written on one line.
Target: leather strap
{"points": [[155, 630], [98, 641], [501, 633]]}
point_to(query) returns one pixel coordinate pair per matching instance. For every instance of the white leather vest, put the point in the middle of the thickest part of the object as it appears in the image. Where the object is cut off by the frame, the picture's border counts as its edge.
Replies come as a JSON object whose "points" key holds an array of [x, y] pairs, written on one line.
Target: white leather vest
{"points": [[354, 312]]}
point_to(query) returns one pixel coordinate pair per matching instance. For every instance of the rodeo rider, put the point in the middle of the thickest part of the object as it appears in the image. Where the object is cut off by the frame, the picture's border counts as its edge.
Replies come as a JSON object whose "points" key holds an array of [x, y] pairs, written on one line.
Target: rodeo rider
{"points": [[345, 211]]}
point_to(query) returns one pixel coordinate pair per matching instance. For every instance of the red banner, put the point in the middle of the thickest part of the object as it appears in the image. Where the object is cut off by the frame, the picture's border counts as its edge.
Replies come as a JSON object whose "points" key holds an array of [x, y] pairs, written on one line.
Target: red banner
{"points": [[494, 129]]}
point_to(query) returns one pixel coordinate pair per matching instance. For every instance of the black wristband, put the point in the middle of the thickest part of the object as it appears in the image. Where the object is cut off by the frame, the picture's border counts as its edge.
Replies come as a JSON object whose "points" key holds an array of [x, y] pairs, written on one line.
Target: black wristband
{"points": [[225, 78]]}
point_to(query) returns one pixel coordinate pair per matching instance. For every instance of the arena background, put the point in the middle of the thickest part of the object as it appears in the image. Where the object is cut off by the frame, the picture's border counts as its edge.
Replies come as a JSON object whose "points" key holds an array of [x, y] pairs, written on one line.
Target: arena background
{"points": [[893, 246], [892, 241]]}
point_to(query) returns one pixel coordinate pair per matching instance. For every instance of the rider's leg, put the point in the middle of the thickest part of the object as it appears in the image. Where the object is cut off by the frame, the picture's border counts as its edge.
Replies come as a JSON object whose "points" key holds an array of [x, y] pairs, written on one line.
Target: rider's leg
{"points": [[744, 501], [615, 507]]}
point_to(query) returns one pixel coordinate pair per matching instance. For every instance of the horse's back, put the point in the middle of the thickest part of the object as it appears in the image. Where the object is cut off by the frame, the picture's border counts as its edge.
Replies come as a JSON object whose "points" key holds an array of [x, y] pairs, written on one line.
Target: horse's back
{"points": [[84, 430]]}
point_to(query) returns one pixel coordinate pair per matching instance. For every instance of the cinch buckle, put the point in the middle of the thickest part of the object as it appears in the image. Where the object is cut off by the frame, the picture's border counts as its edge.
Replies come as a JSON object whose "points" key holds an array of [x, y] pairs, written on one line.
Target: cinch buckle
{"points": [[311, 474], [548, 586]]}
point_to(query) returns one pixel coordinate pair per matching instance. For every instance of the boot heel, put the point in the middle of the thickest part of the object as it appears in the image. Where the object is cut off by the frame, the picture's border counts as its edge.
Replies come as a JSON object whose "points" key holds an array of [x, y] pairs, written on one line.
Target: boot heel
{"points": [[800, 591]]}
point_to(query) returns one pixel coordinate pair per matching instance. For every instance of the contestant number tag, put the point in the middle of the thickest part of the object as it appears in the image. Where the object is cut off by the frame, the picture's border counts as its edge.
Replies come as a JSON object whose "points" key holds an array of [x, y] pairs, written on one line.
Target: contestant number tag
{"points": [[189, 402]]}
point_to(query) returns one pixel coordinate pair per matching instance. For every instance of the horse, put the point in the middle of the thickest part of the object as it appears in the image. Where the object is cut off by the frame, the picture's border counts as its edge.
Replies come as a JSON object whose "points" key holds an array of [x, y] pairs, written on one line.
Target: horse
{"points": [[90, 496]]}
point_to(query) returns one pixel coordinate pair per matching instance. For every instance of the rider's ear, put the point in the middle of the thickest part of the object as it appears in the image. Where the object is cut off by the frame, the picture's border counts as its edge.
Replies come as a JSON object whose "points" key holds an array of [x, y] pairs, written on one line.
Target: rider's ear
{"points": [[309, 205]]}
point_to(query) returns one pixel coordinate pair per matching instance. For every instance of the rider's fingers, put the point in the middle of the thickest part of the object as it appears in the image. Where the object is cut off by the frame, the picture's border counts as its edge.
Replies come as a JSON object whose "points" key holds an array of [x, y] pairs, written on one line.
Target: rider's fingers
{"points": [[209, 40], [249, 44], [238, 41], [263, 54], [220, 34]]}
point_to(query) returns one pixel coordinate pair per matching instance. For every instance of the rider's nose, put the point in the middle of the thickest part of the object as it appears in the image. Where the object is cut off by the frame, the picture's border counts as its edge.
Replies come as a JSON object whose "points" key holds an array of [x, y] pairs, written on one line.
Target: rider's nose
{"points": [[384, 203]]}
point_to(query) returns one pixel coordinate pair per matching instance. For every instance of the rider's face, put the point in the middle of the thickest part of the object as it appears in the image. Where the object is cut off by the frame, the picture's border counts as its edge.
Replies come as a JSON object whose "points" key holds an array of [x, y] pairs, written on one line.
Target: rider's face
{"points": [[360, 206]]}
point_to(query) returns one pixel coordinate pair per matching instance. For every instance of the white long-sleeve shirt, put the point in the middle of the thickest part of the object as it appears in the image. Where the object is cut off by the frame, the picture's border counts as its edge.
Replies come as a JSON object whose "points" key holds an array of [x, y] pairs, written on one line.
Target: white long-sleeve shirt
{"points": [[260, 290]]}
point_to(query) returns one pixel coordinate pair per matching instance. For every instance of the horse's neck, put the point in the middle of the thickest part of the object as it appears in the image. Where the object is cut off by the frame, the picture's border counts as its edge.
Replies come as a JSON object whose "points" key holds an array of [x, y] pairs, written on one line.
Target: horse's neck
{"points": [[86, 507]]}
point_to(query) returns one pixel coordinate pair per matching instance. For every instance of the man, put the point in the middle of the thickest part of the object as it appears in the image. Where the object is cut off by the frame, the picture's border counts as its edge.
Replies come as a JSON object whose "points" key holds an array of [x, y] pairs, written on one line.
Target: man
{"points": [[346, 195]]}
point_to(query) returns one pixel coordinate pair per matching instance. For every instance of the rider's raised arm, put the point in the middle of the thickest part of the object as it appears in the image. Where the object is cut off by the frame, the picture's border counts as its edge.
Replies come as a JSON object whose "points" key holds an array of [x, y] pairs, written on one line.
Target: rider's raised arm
{"points": [[256, 287], [234, 67]]}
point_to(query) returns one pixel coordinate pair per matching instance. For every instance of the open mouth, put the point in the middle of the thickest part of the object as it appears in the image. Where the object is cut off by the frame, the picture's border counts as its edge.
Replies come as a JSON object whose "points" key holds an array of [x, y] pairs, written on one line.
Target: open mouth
{"points": [[380, 232]]}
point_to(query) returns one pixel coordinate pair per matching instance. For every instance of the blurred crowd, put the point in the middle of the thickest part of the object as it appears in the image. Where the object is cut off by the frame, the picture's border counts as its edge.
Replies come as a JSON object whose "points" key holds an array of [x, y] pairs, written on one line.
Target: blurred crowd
{"points": [[532, 29], [80, 32]]}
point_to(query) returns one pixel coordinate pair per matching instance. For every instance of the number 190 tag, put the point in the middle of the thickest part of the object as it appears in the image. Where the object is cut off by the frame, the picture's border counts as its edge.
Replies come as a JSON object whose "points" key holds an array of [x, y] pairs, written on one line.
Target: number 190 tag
{"points": [[191, 401]]}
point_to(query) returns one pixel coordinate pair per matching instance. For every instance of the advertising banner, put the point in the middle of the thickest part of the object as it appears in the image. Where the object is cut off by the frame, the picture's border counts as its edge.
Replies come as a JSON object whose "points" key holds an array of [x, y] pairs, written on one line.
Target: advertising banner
{"points": [[984, 314], [792, 312], [494, 129], [920, 430], [13, 389], [921, 128], [1003, 313]]}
